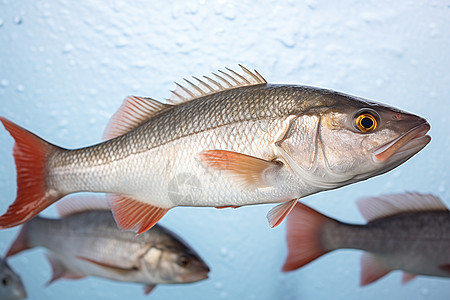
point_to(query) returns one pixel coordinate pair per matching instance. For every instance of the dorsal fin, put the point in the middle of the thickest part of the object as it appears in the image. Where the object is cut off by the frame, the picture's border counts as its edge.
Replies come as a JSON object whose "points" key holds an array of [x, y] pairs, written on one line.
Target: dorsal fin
{"points": [[78, 204], [133, 112], [225, 80], [373, 208]]}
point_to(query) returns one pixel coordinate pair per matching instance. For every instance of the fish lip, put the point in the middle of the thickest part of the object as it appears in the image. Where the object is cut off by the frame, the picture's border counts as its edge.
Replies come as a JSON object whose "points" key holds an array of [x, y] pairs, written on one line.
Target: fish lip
{"points": [[415, 138], [202, 275]]}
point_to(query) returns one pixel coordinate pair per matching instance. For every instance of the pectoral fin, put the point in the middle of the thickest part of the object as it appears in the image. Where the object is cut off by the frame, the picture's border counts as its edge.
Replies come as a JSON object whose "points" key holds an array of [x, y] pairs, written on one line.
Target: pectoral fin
{"points": [[277, 214], [248, 169], [110, 267]]}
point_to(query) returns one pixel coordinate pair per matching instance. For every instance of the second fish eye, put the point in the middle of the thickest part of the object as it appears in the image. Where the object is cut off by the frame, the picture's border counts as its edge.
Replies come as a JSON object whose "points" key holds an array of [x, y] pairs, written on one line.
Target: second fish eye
{"points": [[366, 122]]}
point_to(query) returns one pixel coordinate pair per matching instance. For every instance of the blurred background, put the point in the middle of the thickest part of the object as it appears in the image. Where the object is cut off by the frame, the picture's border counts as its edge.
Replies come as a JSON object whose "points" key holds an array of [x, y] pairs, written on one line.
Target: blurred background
{"points": [[66, 66]]}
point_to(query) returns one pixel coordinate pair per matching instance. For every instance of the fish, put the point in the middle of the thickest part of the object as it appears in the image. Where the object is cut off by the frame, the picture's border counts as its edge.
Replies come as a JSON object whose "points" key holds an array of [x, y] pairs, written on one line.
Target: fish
{"points": [[85, 241], [11, 287], [228, 141], [408, 232]]}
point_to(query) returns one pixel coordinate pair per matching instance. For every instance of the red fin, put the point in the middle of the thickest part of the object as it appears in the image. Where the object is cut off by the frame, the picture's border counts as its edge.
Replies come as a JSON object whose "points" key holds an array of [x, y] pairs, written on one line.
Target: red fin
{"points": [[372, 269], [33, 196], [59, 270], [249, 169], [20, 243], [131, 214], [407, 277], [445, 268], [303, 236], [277, 214], [148, 288], [227, 206], [133, 112]]}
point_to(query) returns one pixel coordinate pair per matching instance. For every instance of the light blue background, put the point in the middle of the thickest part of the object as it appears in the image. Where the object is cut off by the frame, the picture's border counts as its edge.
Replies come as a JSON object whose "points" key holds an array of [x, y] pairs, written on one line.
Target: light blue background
{"points": [[65, 67]]}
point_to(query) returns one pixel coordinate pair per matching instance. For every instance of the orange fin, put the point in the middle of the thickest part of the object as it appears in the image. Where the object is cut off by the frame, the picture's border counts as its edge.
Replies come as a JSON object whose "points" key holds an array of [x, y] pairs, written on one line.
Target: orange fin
{"points": [[407, 277], [33, 195], [277, 214], [59, 270], [133, 112], [445, 268], [134, 215], [249, 169], [148, 288], [227, 206], [20, 243], [372, 269], [303, 236]]}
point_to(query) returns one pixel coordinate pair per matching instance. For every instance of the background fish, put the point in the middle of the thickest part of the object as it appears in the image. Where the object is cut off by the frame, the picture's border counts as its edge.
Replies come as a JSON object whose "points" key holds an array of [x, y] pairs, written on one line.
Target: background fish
{"points": [[11, 286], [230, 141], [87, 242], [409, 232]]}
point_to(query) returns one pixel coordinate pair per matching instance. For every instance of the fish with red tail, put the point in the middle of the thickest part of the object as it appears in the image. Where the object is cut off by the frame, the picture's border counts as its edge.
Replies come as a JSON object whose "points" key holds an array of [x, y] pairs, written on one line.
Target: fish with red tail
{"points": [[227, 141], [86, 241], [408, 232]]}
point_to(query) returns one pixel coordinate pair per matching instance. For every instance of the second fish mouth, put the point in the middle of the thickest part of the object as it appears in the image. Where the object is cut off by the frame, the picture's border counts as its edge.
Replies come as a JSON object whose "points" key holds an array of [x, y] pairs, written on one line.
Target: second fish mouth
{"points": [[411, 141]]}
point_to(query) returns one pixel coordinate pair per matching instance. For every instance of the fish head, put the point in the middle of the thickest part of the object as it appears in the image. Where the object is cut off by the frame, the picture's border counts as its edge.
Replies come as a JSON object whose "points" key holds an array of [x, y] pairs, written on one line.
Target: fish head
{"points": [[345, 139], [173, 261], [11, 286]]}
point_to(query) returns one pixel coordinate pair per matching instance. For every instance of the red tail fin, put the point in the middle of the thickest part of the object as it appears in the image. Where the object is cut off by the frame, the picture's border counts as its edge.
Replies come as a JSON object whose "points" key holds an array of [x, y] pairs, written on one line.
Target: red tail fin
{"points": [[20, 243], [33, 196], [303, 240]]}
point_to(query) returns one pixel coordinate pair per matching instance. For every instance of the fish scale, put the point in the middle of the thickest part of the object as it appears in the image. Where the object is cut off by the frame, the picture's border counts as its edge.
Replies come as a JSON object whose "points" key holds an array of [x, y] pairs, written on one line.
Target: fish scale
{"points": [[238, 142]]}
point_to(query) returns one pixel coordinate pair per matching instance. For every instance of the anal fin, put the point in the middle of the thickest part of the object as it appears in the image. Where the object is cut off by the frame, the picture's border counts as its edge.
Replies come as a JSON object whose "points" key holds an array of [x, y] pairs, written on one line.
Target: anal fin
{"points": [[59, 270], [277, 214], [372, 269], [148, 288], [134, 215]]}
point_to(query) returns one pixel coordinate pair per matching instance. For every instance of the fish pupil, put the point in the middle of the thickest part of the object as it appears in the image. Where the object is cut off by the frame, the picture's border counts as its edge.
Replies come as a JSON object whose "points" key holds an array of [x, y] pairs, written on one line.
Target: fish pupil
{"points": [[5, 281], [366, 123]]}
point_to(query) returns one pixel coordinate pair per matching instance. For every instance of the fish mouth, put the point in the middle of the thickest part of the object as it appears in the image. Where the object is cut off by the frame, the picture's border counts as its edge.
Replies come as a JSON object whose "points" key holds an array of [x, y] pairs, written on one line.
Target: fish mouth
{"points": [[408, 143], [195, 276]]}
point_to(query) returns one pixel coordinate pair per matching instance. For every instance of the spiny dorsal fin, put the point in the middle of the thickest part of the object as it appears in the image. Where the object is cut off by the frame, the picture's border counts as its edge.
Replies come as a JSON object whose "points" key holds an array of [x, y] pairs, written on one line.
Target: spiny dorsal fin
{"points": [[225, 80], [373, 208], [133, 112], [78, 204]]}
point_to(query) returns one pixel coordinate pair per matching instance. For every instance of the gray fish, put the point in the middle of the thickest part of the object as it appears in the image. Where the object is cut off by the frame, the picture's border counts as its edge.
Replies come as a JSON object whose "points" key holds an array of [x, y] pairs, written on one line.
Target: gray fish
{"points": [[11, 287], [226, 142], [409, 232], [87, 242]]}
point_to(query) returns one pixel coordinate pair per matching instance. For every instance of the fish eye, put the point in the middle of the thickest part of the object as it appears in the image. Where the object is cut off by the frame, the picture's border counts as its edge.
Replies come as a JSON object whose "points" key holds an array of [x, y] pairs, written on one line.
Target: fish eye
{"points": [[6, 280], [184, 261], [366, 122]]}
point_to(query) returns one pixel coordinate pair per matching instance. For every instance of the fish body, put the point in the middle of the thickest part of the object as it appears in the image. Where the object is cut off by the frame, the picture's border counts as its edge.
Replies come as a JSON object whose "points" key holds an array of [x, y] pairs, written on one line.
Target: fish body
{"points": [[11, 286], [245, 142], [89, 243], [408, 232]]}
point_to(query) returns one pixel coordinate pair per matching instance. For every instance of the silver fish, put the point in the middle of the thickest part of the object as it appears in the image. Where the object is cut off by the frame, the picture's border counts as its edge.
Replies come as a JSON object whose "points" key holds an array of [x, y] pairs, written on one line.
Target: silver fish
{"points": [[230, 141], [409, 232], [89, 243], [11, 287]]}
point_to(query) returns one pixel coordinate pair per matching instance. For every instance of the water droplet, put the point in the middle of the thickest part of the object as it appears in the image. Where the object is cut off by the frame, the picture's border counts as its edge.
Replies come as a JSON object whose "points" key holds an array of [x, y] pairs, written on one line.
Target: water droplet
{"points": [[67, 48], [4, 82], [224, 252], [224, 295], [424, 291], [18, 20], [218, 285], [1, 22], [121, 42], [20, 88]]}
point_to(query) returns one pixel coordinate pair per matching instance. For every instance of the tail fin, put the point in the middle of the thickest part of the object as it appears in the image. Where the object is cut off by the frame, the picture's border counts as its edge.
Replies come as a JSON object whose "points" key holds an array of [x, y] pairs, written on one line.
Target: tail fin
{"points": [[33, 195], [303, 236], [20, 243]]}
